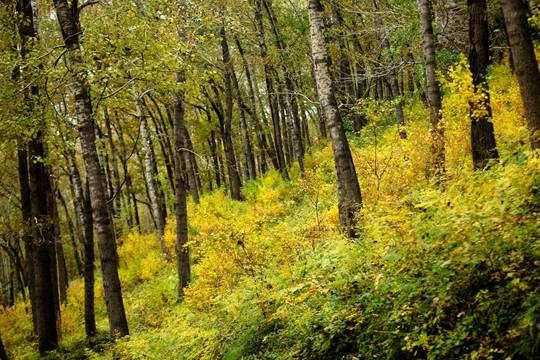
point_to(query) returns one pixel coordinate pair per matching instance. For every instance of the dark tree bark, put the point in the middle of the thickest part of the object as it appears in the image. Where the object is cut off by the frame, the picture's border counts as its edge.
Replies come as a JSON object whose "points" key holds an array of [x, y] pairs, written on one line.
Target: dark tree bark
{"points": [[190, 163], [215, 160], [262, 141], [228, 146], [526, 67], [42, 231], [272, 95], [72, 232], [394, 87], [349, 196], [434, 93], [58, 246], [249, 158], [345, 83], [180, 173], [151, 183], [43, 235], [89, 312], [104, 228], [3, 355], [289, 95], [26, 209], [483, 143], [114, 160]]}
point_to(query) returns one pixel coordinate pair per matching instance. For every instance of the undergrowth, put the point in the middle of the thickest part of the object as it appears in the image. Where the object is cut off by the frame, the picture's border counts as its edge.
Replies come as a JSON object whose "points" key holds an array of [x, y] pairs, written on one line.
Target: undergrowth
{"points": [[444, 271]]}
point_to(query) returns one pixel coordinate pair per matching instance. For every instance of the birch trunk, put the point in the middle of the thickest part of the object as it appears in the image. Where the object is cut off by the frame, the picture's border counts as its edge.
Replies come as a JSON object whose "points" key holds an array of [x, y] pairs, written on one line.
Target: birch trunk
{"points": [[102, 222], [349, 196]]}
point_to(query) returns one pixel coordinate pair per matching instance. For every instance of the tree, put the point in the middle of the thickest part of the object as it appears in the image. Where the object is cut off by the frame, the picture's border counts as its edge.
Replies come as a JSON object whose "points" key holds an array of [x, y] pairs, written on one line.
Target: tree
{"points": [[434, 93], [228, 146], [482, 138], [68, 19], [3, 355], [180, 175], [349, 196], [526, 67], [44, 276]]}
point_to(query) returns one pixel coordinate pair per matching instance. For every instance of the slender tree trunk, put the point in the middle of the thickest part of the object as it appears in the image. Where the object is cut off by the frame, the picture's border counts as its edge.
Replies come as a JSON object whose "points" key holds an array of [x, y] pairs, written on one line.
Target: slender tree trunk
{"points": [[262, 142], [215, 160], [526, 67], [228, 146], [272, 96], [43, 239], [483, 143], [434, 94], [190, 163], [153, 191], [180, 173], [394, 87], [89, 313], [26, 209], [42, 232], [114, 159], [349, 196], [3, 355], [72, 232], [58, 246], [104, 228], [247, 148], [291, 103]]}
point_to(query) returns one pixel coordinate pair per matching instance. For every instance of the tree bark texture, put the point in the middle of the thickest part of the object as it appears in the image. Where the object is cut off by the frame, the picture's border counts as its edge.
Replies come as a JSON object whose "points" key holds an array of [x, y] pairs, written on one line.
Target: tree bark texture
{"points": [[483, 143], [41, 224], [89, 257], [43, 235], [433, 90], [3, 355], [153, 191], [349, 196], [228, 146], [526, 67], [26, 209], [272, 96], [102, 222], [180, 172]]}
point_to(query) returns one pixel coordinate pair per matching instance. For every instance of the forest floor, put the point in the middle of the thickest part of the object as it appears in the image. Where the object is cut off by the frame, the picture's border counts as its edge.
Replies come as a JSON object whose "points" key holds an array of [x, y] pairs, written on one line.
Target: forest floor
{"points": [[440, 271]]}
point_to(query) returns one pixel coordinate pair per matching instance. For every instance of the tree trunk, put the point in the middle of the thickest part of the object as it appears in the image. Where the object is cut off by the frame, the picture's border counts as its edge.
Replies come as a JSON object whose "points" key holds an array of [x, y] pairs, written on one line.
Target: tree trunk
{"points": [[394, 87], [114, 159], [42, 232], [228, 146], [249, 158], [58, 246], [89, 313], [182, 250], [264, 146], [190, 163], [526, 67], [291, 103], [26, 209], [104, 229], [180, 173], [434, 94], [43, 239], [72, 232], [3, 355], [153, 191], [483, 143], [349, 196], [272, 98]]}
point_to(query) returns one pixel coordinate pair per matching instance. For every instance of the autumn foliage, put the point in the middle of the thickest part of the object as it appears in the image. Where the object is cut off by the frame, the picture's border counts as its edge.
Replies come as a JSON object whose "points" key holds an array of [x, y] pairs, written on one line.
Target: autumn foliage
{"points": [[447, 271]]}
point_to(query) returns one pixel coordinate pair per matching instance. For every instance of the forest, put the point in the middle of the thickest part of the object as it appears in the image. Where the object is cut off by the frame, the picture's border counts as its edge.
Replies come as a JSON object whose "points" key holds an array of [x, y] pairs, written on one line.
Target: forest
{"points": [[264, 179]]}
